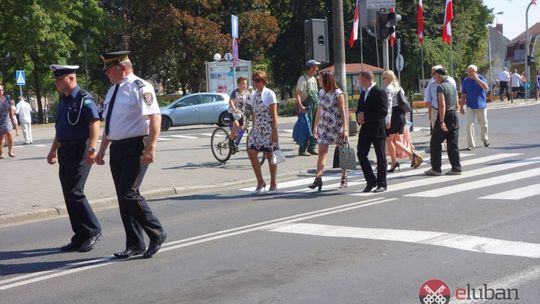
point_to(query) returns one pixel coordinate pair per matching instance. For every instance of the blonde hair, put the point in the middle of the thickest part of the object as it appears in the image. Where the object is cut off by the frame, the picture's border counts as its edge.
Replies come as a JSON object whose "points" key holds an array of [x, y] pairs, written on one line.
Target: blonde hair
{"points": [[394, 81]]}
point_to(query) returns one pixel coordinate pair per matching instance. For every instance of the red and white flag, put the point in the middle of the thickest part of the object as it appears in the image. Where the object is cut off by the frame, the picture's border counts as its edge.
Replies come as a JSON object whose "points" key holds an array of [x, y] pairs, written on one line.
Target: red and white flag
{"points": [[354, 32], [393, 35], [533, 2], [420, 20], [447, 28]]}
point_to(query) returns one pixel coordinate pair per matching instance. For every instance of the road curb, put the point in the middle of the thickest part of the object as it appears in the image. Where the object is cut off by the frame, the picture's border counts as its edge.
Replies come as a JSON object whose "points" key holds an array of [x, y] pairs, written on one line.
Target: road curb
{"points": [[48, 213]]}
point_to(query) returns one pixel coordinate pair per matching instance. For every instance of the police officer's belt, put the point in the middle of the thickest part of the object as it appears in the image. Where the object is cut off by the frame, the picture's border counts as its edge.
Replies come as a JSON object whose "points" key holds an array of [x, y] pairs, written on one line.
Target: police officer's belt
{"points": [[128, 140]]}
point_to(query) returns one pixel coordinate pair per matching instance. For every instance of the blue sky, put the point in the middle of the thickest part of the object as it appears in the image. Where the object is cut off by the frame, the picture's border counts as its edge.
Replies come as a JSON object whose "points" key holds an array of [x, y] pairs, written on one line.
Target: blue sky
{"points": [[513, 17]]}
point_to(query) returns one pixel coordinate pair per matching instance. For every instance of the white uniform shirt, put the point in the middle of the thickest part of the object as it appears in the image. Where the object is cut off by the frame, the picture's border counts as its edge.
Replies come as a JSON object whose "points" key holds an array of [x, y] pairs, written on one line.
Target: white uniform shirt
{"points": [[25, 112], [504, 76], [135, 100]]}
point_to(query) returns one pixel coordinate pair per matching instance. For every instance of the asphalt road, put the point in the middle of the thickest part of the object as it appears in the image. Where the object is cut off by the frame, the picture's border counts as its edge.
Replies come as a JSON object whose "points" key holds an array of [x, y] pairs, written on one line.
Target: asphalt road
{"points": [[300, 246]]}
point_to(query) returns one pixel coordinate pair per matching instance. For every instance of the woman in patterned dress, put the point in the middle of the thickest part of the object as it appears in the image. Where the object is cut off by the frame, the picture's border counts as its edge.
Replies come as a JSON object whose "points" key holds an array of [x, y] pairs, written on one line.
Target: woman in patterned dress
{"points": [[7, 123], [264, 137], [330, 125]]}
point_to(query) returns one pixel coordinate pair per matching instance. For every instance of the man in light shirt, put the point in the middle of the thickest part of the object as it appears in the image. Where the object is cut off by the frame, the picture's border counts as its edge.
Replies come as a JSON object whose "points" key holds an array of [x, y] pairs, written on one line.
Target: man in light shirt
{"points": [[24, 110], [504, 80]]}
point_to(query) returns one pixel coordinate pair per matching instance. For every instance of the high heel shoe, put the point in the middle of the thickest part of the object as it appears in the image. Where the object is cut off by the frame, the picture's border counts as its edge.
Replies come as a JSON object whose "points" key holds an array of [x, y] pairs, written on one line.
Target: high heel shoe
{"points": [[417, 160], [317, 183], [259, 189], [344, 182], [393, 167]]}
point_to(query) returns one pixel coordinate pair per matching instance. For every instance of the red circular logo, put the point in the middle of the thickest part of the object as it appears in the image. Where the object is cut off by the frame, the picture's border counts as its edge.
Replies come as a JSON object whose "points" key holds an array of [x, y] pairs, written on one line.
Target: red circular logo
{"points": [[434, 291]]}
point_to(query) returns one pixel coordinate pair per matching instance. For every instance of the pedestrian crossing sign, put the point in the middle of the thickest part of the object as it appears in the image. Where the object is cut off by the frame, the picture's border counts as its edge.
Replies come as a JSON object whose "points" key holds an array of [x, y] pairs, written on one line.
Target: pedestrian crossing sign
{"points": [[20, 77]]}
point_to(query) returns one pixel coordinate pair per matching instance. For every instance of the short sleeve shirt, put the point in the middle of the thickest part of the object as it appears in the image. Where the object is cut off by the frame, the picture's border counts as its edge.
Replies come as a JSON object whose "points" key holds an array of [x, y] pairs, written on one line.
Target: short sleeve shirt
{"points": [[449, 91], [135, 101], [240, 100], [476, 96], [304, 84], [74, 114]]}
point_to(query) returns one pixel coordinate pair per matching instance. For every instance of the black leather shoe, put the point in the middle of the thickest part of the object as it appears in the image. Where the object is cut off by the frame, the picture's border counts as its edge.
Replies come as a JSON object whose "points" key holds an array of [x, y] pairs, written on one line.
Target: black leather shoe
{"points": [[73, 246], [89, 243], [154, 246], [380, 189], [128, 253], [369, 187]]}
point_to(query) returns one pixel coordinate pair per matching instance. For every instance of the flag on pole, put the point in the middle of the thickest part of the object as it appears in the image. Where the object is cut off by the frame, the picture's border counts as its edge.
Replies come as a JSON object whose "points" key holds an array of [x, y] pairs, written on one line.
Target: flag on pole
{"points": [[533, 2], [393, 35], [447, 28], [354, 32], [420, 20]]}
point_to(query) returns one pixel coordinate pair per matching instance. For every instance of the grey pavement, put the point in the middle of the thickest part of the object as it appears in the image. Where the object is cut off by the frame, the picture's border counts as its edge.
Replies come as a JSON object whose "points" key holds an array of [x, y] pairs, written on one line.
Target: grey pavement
{"points": [[184, 164]]}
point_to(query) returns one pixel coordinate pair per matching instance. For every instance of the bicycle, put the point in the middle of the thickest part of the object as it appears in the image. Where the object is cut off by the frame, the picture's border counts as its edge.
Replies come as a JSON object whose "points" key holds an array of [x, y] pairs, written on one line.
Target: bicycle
{"points": [[223, 147]]}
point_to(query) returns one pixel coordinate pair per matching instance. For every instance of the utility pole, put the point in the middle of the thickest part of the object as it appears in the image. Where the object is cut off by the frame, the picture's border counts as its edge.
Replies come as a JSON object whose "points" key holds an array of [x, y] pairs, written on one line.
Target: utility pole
{"points": [[527, 49], [339, 47]]}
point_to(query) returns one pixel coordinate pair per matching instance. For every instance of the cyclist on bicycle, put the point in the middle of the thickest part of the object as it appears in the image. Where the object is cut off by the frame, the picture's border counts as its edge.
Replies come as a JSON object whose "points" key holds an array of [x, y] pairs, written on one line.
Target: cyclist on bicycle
{"points": [[238, 104]]}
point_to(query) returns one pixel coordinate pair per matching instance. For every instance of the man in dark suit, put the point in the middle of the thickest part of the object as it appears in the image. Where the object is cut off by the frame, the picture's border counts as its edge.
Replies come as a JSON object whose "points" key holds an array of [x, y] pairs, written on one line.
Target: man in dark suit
{"points": [[370, 114]]}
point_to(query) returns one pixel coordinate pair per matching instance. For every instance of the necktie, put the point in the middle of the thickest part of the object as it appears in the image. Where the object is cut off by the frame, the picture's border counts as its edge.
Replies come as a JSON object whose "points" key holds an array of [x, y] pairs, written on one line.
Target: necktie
{"points": [[110, 109]]}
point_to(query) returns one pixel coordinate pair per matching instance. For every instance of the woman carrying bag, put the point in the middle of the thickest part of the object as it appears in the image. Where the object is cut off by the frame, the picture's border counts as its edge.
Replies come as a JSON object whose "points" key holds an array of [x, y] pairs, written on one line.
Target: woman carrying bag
{"points": [[330, 125]]}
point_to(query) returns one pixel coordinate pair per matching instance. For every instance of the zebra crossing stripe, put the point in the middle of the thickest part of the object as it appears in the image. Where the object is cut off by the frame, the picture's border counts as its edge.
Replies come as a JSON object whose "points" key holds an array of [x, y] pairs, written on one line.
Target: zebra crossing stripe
{"points": [[164, 139], [483, 183], [472, 243], [183, 136], [515, 194], [429, 180]]}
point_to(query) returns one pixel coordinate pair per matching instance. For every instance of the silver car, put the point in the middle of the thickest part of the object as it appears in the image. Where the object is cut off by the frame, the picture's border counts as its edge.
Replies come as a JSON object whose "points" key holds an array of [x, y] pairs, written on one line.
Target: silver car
{"points": [[194, 109]]}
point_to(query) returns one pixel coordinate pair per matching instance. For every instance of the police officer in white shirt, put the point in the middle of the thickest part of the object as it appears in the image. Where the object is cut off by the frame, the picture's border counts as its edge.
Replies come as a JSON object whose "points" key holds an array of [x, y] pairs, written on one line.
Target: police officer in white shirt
{"points": [[132, 126]]}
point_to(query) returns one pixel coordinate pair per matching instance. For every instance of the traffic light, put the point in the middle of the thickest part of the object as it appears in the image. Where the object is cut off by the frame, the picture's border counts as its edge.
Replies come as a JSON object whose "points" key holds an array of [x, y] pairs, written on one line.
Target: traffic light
{"points": [[385, 23]]}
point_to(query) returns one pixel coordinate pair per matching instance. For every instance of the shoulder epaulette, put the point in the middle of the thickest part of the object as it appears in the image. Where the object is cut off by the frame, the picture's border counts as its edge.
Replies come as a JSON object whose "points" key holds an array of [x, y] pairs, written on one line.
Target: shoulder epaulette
{"points": [[140, 83]]}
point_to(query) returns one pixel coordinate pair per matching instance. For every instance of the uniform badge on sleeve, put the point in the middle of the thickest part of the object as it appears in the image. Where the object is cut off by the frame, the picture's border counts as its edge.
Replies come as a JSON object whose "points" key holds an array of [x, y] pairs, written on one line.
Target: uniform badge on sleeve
{"points": [[148, 98]]}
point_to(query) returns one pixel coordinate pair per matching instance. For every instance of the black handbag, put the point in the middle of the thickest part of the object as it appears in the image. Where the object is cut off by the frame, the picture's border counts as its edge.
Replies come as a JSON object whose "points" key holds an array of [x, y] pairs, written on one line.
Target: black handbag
{"points": [[335, 163], [403, 102]]}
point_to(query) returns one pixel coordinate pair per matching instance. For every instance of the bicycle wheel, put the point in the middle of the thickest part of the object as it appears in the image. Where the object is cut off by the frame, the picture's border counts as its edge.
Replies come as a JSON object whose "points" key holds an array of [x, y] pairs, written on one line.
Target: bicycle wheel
{"points": [[220, 145], [261, 157]]}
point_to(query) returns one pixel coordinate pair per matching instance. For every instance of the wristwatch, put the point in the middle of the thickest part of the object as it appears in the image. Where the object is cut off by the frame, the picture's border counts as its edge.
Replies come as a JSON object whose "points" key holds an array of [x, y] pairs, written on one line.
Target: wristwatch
{"points": [[91, 150]]}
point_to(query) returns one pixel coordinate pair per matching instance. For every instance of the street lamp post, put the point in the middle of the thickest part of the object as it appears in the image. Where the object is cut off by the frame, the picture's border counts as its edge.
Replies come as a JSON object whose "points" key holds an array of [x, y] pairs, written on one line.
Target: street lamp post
{"points": [[527, 44]]}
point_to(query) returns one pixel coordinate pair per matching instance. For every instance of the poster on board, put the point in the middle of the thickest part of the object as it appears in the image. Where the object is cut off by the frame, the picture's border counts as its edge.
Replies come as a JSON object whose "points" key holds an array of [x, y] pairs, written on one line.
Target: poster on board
{"points": [[220, 78]]}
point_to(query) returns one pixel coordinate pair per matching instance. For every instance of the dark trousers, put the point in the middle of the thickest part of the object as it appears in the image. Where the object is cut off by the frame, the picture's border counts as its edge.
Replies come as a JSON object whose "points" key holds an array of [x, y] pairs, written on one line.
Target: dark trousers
{"points": [[503, 86], [73, 173], [363, 146], [128, 173], [451, 137]]}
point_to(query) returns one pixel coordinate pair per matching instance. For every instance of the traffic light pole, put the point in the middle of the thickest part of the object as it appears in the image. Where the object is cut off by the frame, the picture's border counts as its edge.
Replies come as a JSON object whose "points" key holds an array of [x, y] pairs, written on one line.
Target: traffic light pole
{"points": [[386, 57]]}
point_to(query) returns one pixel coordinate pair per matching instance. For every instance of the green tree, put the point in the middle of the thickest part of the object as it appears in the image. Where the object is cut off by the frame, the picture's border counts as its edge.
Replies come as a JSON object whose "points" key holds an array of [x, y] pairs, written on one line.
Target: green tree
{"points": [[39, 34]]}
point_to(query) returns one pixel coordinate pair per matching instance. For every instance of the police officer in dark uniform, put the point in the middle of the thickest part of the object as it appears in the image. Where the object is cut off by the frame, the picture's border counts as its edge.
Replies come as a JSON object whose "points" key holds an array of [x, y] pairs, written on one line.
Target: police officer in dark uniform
{"points": [[132, 126], [74, 146]]}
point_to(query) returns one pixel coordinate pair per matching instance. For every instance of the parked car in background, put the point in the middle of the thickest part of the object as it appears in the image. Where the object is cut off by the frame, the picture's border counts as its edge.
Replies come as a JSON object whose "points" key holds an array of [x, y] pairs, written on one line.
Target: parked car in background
{"points": [[194, 109]]}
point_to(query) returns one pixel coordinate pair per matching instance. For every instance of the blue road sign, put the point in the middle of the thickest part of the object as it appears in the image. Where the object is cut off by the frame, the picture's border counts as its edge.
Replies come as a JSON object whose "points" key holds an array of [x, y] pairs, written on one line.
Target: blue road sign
{"points": [[20, 77], [234, 26]]}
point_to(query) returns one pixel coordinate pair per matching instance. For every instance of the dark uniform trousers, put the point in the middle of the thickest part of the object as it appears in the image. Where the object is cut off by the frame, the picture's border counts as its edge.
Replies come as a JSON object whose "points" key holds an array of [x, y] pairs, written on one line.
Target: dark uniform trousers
{"points": [[73, 173], [364, 145], [451, 137], [128, 173]]}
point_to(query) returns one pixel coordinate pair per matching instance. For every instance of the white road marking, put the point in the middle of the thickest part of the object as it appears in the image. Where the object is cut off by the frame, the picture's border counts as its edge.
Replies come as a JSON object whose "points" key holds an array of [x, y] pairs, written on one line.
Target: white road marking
{"points": [[206, 134], [164, 139], [431, 180], [183, 136], [512, 281], [450, 240], [265, 225], [515, 194], [473, 185]]}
